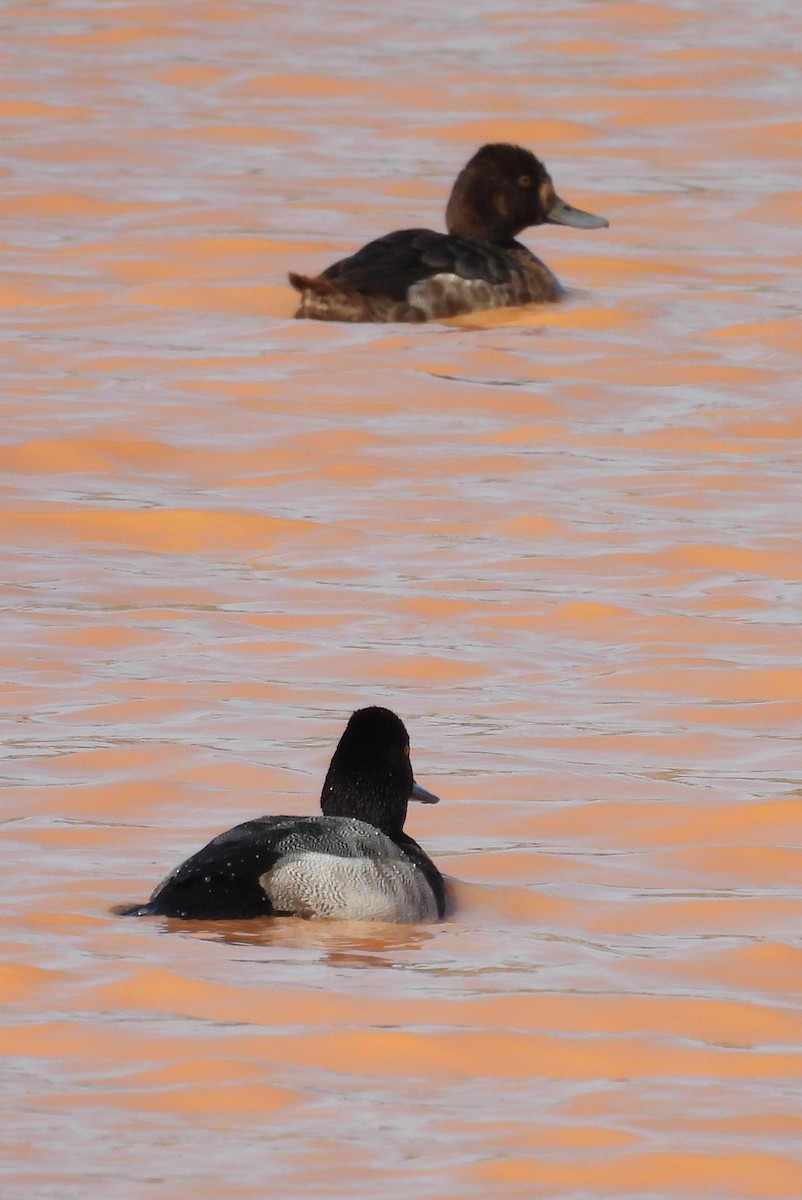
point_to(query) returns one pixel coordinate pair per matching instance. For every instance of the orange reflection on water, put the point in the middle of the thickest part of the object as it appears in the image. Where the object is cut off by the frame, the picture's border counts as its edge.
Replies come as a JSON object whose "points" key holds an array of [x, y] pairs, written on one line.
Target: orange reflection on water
{"points": [[562, 543]]}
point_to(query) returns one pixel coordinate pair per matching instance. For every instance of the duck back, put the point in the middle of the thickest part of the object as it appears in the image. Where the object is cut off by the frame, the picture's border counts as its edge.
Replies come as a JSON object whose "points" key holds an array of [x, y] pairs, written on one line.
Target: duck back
{"points": [[334, 867], [420, 275]]}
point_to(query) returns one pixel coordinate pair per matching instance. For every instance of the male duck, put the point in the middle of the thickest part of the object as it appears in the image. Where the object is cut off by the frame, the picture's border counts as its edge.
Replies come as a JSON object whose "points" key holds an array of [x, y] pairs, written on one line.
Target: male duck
{"points": [[420, 275], [355, 863]]}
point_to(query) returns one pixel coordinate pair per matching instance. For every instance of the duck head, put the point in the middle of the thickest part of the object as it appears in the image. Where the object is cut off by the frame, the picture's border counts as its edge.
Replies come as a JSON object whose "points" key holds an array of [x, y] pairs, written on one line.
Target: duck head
{"points": [[504, 189], [370, 774]]}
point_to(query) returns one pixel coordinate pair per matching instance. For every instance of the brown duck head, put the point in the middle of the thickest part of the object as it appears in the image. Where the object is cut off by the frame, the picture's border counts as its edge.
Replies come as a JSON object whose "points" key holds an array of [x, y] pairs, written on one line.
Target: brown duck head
{"points": [[504, 189]]}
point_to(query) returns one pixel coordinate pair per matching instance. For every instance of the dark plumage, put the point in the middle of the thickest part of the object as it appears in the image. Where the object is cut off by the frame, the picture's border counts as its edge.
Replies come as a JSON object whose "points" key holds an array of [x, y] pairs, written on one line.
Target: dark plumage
{"points": [[420, 275], [354, 862]]}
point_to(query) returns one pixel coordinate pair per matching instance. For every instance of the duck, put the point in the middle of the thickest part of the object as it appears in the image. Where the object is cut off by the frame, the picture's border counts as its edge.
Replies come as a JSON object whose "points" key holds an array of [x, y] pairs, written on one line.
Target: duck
{"points": [[353, 862], [421, 275]]}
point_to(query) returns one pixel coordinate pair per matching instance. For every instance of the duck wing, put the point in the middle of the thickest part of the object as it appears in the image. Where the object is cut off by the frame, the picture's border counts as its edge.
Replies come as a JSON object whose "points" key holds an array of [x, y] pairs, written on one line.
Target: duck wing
{"points": [[391, 265], [417, 855], [222, 881]]}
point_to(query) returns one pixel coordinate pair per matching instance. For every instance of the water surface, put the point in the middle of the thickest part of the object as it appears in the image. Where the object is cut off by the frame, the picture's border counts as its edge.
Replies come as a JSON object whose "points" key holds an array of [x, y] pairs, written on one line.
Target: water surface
{"points": [[562, 543]]}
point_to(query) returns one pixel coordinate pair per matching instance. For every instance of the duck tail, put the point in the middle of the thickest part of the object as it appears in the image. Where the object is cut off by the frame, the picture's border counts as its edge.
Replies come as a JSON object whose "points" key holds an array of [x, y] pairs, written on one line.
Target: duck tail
{"points": [[133, 910], [308, 283], [327, 300], [315, 286]]}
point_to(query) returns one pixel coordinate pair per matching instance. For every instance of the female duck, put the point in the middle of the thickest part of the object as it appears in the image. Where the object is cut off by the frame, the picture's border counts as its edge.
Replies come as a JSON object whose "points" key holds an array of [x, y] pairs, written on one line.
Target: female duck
{"points": [[354, 863], [420, 275]]}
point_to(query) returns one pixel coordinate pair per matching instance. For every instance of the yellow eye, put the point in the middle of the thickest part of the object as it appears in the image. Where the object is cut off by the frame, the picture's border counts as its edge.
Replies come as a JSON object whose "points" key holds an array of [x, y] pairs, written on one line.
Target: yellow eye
{"points": [[525, 181]]}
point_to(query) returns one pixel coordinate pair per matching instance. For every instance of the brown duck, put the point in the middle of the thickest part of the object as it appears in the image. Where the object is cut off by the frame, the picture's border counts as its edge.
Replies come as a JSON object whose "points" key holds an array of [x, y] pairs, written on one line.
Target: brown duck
{"points": [[421, 275]]}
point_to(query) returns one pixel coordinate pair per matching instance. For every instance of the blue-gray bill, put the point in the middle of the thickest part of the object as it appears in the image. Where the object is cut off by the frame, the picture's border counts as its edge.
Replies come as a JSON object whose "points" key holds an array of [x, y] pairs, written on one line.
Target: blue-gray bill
{"points": [[561, 213], [420, 793]]}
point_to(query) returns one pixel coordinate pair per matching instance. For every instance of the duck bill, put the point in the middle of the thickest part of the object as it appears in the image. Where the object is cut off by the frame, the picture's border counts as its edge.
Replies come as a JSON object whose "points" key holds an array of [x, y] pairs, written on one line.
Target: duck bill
{"points": [[420, 793], [561, 213]]}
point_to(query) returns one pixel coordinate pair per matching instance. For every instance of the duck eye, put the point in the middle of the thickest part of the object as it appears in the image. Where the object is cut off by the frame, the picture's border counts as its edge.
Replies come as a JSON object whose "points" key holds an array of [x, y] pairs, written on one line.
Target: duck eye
{"points": [[525, 181]]}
